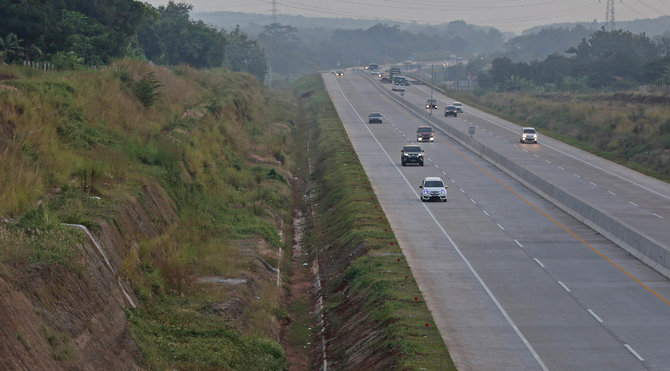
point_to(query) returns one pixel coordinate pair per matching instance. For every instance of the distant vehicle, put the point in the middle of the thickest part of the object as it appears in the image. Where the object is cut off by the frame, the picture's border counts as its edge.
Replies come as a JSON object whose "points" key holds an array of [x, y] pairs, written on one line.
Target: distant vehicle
{"points": [[431, 103], [386, 79], [433, 188], [398, 87], [411, 154], [375, 117], [372, 67], [528, 135], [339, 73], [425, 134], [459, 106], [394, 71], [401, 80], [450, 110]]}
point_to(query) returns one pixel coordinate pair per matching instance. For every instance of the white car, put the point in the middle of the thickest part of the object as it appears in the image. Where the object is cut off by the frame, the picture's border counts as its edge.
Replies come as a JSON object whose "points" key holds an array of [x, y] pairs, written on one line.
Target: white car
{"points": [[433, 188], [459, 106], [398, 87], [528, 135]]}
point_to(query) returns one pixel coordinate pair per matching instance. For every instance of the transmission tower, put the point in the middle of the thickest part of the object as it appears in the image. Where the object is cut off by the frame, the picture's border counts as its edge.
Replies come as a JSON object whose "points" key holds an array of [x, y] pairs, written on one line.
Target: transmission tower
{"points": [[609, 14], [274, 11]]}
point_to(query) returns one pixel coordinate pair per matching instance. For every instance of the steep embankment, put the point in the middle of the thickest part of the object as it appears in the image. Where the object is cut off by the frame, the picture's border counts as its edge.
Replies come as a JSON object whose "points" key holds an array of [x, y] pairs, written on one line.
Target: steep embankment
{"points": [[181, 176]]}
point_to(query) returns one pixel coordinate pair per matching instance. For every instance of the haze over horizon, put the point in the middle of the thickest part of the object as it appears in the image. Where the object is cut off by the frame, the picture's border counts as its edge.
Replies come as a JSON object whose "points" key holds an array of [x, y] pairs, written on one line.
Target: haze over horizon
{"points": [[505, 15]]}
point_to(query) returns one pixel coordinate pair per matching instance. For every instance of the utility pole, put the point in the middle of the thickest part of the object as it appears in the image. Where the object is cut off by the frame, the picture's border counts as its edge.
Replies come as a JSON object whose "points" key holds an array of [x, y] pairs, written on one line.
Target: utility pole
{"points": [[274, 11]]}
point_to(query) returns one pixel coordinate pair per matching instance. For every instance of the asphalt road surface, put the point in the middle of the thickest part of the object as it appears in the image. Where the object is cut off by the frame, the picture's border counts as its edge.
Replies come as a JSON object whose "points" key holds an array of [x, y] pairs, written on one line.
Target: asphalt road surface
{"points": [[513, 282]]}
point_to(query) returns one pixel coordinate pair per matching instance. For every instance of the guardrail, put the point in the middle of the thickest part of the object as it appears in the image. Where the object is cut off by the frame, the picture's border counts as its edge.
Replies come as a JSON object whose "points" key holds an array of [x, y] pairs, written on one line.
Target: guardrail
{"points": [[653, 253]]}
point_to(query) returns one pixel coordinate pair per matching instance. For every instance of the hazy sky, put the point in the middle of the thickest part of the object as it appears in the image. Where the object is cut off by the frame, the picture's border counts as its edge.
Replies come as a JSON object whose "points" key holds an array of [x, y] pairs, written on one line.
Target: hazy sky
{"points": [[506, 15]]}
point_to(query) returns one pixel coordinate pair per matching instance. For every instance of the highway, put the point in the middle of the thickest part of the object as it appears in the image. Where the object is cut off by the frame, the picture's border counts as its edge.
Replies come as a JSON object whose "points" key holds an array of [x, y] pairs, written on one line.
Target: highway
{"points": [[513, 281]]}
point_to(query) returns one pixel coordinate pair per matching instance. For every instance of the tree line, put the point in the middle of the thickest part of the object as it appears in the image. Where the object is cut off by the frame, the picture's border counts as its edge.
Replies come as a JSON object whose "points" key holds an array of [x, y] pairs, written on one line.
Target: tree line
{"points": [[76, 33], [614, 59]]}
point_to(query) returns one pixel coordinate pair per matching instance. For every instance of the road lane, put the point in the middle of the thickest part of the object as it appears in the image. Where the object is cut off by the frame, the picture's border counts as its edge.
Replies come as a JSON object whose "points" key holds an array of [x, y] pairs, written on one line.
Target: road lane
{"points": [[552, 302]]}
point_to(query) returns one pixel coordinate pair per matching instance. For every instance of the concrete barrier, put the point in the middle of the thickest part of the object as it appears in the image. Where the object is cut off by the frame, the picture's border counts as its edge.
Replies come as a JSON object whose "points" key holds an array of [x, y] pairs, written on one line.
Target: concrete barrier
{"points": [[653, 253]]}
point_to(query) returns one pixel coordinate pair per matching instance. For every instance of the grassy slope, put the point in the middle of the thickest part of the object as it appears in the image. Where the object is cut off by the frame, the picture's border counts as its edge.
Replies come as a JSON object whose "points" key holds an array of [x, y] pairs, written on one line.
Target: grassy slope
{"points": [[212, 142], [630, 128], [373, 319]]}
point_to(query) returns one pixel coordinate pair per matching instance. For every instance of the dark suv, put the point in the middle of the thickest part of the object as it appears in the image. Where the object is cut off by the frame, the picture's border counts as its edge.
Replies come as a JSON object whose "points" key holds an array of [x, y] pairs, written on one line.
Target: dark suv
{"points": [[431, 103], [450, 110], [411, 154]]}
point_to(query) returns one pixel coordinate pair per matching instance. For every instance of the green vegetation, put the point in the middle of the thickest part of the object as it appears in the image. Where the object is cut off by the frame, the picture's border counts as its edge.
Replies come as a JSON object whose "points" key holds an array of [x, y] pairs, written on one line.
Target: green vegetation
{"points": [[78, 148], [613, 60], [369, 292], [628, 127]]}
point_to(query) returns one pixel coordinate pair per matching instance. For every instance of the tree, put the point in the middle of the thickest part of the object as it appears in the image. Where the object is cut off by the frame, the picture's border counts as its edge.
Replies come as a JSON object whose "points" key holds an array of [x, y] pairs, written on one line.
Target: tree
{"points": [[171, 37], [11, 48], [99, 29], [243, 54]]}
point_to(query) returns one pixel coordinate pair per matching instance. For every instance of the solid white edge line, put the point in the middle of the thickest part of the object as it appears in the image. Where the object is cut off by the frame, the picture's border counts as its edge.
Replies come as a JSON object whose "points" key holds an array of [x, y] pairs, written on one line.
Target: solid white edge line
{"points": [[538, 262], [518, 243], [456, 248], [595, 316], [630, 349], [564, 286]]}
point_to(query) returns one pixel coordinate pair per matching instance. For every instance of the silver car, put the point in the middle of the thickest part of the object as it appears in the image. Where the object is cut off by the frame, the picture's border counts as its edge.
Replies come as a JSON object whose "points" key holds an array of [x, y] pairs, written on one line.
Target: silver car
{"points": [[528, 135], [433, 188]]}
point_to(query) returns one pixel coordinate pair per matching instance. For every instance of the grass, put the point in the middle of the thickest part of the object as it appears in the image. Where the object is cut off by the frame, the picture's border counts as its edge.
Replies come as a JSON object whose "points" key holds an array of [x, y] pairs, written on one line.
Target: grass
{"points": [[632, 129], [79, 147], [367, 294]]}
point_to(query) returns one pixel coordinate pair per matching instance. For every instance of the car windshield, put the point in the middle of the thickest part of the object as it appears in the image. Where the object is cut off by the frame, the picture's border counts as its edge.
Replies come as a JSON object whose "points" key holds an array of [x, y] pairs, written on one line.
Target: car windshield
{"points": [[425, 130], [433, 183], [412, 149], [450, 108], [375, 114], [529, 131]]}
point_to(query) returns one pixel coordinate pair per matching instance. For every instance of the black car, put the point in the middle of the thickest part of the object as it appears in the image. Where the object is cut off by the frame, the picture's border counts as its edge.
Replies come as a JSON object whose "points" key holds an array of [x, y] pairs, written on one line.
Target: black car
{"points": [[431, 103], [450, 111], [411, 154], [375, 117]]}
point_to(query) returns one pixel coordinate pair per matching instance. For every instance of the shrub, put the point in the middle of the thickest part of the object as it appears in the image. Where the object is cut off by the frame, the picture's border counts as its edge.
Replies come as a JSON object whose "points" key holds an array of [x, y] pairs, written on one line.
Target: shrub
{"points": [[147, 89]]}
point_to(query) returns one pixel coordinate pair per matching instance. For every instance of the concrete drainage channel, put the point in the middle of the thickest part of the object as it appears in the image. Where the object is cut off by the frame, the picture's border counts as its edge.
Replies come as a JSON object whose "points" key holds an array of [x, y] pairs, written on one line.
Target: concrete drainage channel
{"points": [[321, 324], [651, 252]]}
